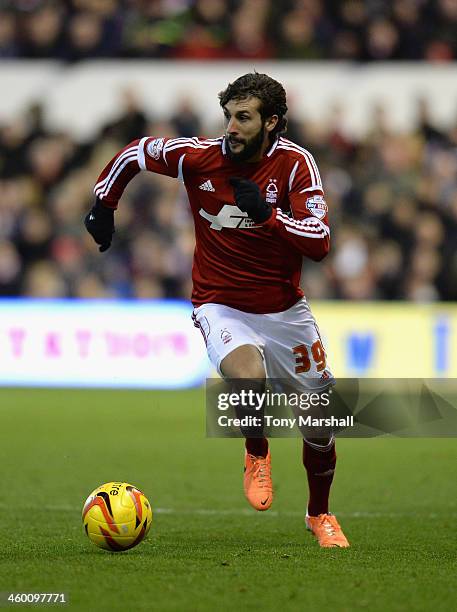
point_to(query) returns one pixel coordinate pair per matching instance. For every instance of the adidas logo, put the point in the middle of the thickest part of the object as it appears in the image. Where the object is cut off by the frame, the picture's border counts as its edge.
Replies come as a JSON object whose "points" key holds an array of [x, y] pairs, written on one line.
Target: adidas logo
{"points": [[207, 186]]}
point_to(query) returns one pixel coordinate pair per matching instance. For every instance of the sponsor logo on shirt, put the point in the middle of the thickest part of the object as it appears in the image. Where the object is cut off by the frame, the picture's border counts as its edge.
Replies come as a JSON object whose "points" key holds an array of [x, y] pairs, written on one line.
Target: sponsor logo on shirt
{"points": [[317, 206], [228, 216], [155, 147], [207, 186]]}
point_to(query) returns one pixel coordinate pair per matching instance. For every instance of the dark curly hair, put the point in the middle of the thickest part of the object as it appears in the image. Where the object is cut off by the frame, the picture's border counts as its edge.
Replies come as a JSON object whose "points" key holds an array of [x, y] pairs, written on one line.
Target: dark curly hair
{"points": [[271, 94]]}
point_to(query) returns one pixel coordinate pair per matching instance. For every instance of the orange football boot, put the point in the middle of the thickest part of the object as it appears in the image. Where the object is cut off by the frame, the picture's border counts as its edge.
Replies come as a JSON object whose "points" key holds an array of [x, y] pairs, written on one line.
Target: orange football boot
{"points": [[327, 531], [258, 487]]}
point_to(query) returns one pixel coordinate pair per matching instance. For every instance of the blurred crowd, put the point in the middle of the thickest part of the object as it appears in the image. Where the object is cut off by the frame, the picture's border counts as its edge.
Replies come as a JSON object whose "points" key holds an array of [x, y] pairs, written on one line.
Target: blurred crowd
{"points": [[392, 200], [362, 30]]}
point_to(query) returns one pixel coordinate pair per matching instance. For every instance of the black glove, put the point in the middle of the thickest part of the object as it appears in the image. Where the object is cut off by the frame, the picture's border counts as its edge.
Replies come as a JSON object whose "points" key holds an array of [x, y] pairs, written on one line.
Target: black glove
{"points": [[99, 223], [249, 199]]}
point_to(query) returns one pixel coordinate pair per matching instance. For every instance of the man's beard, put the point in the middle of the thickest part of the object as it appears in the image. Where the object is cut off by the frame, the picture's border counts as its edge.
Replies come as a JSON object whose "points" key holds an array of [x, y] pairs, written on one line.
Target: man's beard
{"points": [[251, 147]]}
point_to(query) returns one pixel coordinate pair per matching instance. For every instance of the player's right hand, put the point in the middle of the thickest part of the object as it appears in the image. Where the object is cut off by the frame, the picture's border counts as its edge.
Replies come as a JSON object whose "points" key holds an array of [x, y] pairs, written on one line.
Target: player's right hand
{"points": [[99, 223]]}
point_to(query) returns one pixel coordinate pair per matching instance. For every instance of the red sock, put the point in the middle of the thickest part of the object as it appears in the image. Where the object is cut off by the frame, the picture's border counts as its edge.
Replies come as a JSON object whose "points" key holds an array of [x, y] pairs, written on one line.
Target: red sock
{"points": [[257, 446], [320, 466]]}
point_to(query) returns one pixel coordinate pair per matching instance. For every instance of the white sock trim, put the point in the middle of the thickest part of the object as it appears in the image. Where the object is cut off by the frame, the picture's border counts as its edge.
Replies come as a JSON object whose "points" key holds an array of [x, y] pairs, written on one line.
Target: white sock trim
{"points": [[319, 447]]}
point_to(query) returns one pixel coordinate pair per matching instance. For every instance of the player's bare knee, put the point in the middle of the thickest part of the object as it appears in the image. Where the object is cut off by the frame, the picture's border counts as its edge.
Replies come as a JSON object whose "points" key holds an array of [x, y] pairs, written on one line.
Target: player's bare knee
{"points": [[244, 362]]}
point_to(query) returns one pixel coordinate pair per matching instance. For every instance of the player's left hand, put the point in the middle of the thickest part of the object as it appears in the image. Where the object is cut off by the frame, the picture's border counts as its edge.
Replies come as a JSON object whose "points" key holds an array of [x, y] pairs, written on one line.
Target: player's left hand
{"points": [[249, 199]]}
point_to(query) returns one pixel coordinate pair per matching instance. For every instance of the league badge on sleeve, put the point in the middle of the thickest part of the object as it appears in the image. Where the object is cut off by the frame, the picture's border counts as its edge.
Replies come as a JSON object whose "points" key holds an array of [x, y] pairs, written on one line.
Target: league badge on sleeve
{"points": [[317, 206], [155, 147]]}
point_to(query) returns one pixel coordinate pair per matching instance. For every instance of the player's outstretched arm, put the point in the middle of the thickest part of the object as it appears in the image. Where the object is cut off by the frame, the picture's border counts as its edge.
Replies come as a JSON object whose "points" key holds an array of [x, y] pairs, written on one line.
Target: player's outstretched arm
{"points": [[108, 190], [160, 155]]}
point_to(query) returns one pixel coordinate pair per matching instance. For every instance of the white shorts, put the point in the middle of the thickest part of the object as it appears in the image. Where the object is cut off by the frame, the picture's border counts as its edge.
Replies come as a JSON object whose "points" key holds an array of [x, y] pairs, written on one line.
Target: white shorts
{"points": [[288, 341]]}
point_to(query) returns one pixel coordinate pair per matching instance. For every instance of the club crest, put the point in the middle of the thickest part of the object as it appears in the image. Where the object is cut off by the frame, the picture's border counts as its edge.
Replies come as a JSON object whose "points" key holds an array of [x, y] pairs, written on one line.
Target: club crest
{"points": [[272, 191]]}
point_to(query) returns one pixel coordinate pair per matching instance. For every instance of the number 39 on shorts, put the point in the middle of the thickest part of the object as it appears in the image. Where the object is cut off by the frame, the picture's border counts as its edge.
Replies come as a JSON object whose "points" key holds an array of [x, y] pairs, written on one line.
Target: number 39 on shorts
{"points": [[303, 358]]}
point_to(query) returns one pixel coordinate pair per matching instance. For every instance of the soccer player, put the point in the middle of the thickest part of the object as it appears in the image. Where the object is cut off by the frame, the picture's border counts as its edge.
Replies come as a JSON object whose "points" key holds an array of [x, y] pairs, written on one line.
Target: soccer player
{"points": [[258, 206]]}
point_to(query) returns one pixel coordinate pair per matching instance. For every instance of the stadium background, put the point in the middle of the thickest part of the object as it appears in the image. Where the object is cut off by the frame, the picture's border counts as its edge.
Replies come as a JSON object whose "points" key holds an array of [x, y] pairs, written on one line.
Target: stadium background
{"points": [[372, 93], [384, 133]]}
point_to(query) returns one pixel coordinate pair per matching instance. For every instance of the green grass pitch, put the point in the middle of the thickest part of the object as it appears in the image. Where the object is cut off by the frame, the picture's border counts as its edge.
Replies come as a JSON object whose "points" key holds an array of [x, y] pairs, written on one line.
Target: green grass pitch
{"points": [[207, 550]]}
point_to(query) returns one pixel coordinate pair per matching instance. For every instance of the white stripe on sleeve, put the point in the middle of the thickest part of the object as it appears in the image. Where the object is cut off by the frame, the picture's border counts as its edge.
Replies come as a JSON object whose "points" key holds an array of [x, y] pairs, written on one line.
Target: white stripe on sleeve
{"points": [[141, 155], [310, 162], [180, 163], [311, 226], [101, 193], [118, 161], [292, 175]]}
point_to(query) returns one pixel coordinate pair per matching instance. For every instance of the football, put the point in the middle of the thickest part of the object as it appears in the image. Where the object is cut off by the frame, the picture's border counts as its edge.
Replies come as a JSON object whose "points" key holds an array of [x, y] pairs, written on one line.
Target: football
{"points": [[116, 516]]}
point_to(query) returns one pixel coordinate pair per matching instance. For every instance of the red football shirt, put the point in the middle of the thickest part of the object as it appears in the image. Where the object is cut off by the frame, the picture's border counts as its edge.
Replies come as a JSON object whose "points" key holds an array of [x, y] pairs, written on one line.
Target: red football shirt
{"points": [[254, 268]]}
